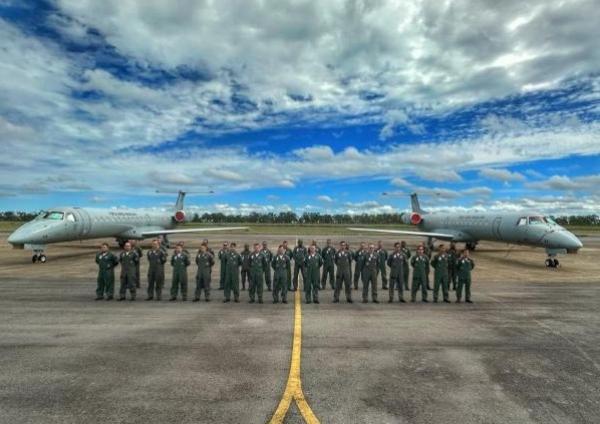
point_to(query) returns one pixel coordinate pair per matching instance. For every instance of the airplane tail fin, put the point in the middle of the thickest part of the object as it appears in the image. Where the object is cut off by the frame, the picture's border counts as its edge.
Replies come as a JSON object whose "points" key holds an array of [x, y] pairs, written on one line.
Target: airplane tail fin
{"points": [[179, 202], [416, 207]]}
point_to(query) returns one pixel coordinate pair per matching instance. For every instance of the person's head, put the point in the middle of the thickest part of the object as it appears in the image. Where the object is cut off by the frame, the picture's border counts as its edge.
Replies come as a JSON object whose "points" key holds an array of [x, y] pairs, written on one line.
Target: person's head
{"points": [[328, 242], [155, 245], [342, 245], [246, 246], [104, 247], [371, 247], [205, 242], [202, 248], [363, 245], [300, 242], [452, 245], [420, 250], [225, 245], [256, 247], [285, 244], [397, 247], [132, 243], [313, 242], [178, 248], [264, 244], [402, 244], [380, 244], [312, 249], [127, 246], [281, 249], [465, 253], [441, 248], [232, 246]]}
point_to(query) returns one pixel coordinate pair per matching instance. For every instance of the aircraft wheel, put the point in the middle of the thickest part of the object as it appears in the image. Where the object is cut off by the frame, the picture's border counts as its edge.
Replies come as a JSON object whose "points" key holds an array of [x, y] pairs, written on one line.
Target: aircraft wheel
{"points": [[42, 259], [549, 263], [556, 263], [34, 258]]}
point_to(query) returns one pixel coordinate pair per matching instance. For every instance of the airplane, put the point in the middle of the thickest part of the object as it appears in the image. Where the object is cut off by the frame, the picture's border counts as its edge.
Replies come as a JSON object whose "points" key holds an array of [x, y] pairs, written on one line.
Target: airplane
{"points": [[529, 229], [74, 223]]}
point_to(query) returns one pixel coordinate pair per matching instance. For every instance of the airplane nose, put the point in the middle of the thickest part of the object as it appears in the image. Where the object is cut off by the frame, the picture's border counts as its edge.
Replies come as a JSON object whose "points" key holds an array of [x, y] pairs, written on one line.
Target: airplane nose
{"points": [[16, 237]]}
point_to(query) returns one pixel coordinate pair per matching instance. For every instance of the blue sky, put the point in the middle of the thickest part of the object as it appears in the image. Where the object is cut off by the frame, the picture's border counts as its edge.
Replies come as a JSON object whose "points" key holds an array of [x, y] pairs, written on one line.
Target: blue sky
{"points": [[303, 106]]}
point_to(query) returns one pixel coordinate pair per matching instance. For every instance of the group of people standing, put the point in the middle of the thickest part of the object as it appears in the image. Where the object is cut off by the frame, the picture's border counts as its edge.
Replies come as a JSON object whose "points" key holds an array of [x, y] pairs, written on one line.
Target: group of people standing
{"points": [[258, 267]]}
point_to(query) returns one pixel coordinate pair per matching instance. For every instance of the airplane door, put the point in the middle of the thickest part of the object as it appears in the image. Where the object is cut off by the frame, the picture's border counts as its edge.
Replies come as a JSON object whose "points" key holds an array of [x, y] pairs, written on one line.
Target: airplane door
{"points": [[84, 223], [496, 223]]}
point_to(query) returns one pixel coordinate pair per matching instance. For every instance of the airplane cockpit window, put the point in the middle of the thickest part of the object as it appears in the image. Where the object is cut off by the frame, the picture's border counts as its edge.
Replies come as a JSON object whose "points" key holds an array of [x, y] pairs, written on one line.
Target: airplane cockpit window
{"points": [[54, 216], [71, 217], [536, 220], [550, 220], [522, 221]]}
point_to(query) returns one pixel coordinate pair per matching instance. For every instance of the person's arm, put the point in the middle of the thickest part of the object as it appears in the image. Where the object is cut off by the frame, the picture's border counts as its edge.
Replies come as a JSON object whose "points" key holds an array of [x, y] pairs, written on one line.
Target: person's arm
{"points": [[472, 264], [98, 258]]}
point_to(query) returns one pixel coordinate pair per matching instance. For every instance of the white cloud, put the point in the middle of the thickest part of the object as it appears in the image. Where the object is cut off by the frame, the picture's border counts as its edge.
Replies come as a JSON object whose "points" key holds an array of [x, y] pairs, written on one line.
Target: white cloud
{"points": [[501, 174], [589, 183], [224, 174], [325, 199], [400, 182]]}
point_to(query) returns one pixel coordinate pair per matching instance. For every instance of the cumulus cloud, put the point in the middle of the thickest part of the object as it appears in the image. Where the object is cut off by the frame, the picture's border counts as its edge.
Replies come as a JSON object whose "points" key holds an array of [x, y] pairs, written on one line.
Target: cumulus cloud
{"points": [[501, 174], [566, 183], [324, 198]]}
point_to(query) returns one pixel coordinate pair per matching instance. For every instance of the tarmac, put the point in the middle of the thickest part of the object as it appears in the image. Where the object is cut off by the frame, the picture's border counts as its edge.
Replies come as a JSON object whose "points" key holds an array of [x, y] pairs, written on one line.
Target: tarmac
{"points": [[527, 350]]}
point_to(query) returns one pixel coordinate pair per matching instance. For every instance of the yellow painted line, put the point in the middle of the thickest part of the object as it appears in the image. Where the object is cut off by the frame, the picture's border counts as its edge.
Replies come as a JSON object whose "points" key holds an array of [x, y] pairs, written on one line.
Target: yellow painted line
{"points": [[293, 389]]}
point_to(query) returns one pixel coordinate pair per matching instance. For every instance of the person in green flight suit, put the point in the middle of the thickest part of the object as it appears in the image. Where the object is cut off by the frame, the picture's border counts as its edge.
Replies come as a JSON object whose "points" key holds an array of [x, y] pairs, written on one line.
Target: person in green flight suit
{"points": [[140, 253], [452, 258], [396, 261], [313, 268], [464, 266], [328, 255], [281, 265], [290, 254], [245, 254], [420, 265], [232, 274], [179, 261], [383, 255], [440, 275], [107, 262], [205, 261], [222, 256], [258, 261], [369, 268], [128, 260], [358, 263], [407, 255], [299, 254], [157, 258], [343, 262], [267, 269]]}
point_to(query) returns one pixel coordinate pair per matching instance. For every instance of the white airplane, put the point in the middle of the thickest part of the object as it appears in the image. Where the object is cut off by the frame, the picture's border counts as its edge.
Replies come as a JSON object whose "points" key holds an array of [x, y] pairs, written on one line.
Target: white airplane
{"points": [[73, 223], [530, 229]]}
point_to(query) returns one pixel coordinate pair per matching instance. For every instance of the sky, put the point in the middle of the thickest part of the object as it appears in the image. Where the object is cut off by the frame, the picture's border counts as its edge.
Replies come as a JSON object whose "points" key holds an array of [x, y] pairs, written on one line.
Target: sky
{"points": [[319, 106]]}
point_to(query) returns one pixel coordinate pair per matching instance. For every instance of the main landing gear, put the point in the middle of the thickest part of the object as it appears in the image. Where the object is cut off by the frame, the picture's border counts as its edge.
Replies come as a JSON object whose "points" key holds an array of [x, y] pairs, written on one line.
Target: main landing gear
{"points": [[471, 245], [552, 262], [38, 257]]}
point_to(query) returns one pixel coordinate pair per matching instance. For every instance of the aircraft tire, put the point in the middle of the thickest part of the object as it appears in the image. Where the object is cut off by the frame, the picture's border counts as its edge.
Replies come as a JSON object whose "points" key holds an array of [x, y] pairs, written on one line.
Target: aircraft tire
{"points": [[42, 259], [34, 259]]}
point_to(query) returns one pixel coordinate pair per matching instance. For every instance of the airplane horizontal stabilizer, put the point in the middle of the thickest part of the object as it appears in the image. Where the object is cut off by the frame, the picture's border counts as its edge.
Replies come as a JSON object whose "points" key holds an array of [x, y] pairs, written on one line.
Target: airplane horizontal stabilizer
{"points": [[190, 230], [441, 236]]}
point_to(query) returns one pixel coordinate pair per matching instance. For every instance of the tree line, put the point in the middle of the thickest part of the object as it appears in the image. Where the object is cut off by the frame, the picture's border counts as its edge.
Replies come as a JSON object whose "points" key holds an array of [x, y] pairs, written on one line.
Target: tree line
{"points": [[305, 218]]}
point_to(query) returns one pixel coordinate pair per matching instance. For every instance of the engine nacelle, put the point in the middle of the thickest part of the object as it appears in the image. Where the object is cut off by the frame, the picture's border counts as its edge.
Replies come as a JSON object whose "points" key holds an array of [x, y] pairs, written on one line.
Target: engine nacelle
{"points": [[179, 216], [412, 219]]}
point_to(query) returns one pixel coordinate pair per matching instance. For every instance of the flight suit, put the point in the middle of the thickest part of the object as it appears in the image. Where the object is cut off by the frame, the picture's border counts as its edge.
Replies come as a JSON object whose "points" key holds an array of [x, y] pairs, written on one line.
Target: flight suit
{"points": [[440, 275], [232, 276], [156, 272], [343, 262], [300, 253], [267, 269], [179, 262], [464, 266], [407, 255], [290, 255], [205, 262], [128, 262], [106, 275], [245, 254], [369, 269], [138, 281], [452, 258], [328, 255], [281, 266], [258, 262], [427, 253], [358, 266], [222, 261], [420, 265], [351, 252], [396, 261], [383, 256], [311, 284]]}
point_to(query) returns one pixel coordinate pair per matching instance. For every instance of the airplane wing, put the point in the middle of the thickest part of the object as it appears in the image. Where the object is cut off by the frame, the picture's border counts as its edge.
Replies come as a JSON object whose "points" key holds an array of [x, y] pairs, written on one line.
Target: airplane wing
{"points": [[441, 236], [190, 230]]}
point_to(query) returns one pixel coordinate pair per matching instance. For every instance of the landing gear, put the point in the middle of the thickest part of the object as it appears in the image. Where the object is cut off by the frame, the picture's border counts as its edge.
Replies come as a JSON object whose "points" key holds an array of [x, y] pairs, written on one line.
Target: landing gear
{"points": [[121, 242], [471, 245], [38, 257], [164, 241], [552, 262]]}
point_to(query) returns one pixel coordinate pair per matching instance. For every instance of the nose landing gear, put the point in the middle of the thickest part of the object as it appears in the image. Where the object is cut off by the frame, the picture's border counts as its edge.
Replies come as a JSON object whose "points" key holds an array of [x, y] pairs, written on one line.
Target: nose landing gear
{"points": [[552, 262], [39, 257]]}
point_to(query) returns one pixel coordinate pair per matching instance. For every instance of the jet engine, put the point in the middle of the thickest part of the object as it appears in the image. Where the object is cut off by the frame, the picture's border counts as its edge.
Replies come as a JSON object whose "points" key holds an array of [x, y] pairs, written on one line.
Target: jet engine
{"points": [[179, 216], [412, 219]]}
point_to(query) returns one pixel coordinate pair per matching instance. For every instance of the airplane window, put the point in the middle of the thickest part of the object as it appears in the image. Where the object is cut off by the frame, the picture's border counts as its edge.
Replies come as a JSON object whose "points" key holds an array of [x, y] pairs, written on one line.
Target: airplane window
{"points": [[522, 221], [550, 220], [536, 220], [55, 216], [71, 217]]}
